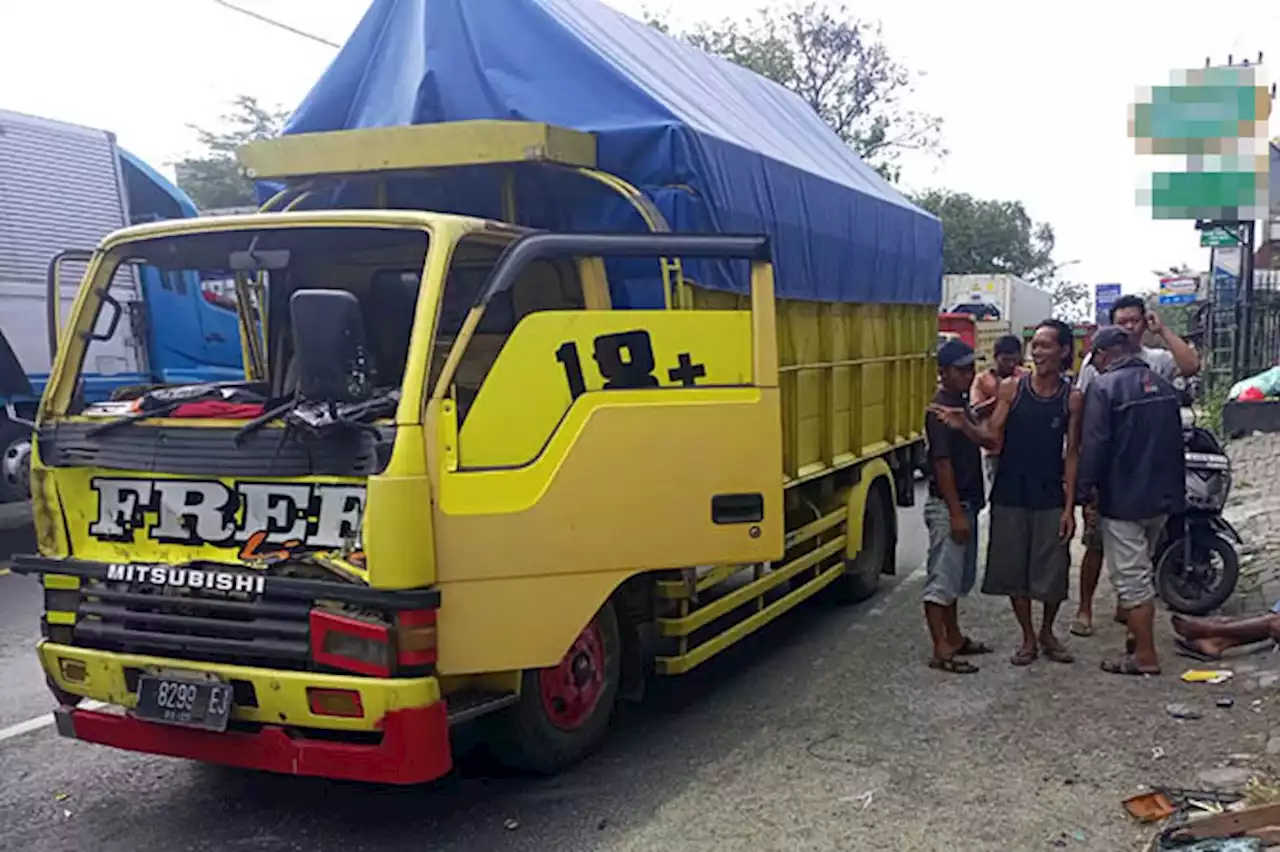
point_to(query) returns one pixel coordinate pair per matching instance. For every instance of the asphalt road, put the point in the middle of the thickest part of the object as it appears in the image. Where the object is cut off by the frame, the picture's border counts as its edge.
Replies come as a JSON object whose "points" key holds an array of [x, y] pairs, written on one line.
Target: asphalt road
{"points": [[825, 731]]}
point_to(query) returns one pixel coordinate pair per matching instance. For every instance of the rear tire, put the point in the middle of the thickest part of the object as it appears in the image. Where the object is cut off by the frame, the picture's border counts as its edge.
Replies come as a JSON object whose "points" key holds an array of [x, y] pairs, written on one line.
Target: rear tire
{"points": [[564, 710], [1173, 591], [861, 576]]}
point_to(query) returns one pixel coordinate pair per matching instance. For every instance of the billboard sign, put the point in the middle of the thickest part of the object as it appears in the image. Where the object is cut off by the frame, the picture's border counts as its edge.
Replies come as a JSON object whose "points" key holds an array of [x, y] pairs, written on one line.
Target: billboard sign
{"points": [[1178, 291], [1104, 296], [1216, 118]]}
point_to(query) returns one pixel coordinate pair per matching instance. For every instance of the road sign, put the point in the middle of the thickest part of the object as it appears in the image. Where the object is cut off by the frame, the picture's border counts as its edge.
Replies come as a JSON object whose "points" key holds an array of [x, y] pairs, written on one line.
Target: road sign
{"points": [[1104, 296], [1178, 291], [1219, 237]]}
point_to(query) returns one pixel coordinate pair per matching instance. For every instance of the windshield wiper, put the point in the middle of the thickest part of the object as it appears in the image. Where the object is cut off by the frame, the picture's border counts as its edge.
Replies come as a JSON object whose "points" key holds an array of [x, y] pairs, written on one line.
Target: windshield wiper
{"points": [[134, 417], [264, 418]]}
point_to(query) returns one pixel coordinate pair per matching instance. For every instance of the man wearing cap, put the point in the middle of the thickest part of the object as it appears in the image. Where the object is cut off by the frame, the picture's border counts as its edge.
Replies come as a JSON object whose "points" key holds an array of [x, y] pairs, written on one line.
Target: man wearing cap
{"points": [[1006, 357], [956, 495], [1132, 455], [1130, 314]]}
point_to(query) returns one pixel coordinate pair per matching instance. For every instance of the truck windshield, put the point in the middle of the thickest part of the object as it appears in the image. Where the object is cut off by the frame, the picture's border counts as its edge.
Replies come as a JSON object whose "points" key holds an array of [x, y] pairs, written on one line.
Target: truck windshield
{"points": [[191, 295]]}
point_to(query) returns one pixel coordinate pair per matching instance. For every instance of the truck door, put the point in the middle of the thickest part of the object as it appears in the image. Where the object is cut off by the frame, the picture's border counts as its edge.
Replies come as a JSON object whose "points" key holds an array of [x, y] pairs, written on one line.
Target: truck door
{"points": [[596, 440]]}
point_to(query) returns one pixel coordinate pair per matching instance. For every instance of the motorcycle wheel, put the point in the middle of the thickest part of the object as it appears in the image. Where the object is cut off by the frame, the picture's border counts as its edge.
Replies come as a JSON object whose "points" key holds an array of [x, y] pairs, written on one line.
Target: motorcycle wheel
{"points": [[1206, 584]]}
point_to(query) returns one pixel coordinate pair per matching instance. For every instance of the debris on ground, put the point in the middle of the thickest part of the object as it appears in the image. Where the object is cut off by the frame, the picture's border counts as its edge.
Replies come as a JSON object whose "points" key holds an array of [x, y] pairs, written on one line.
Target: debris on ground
{"points": [[1262, 790], [1225, 832], [1149, 807], [1182, 711], [1210, 676], [1226, 776], [1225, 702]]}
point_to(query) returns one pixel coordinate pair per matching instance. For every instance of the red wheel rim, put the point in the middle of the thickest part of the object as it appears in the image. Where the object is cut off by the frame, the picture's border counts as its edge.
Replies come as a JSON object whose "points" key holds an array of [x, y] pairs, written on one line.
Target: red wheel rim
{"points": [[571, 690]]}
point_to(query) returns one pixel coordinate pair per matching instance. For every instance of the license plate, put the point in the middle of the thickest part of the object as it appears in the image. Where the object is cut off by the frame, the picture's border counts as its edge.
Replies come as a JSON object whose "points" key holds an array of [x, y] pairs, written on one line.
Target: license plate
{"points": [[179, 701]]}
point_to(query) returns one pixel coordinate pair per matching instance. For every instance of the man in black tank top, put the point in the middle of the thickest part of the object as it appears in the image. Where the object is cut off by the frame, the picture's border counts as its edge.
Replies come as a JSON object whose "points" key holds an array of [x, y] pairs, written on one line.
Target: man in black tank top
{"points": [[1037, 425]]}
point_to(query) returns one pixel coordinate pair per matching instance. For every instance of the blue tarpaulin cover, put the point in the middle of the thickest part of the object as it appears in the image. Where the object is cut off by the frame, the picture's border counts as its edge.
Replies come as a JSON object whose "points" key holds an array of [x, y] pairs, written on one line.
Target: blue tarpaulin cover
{"points": [[714, 146]]}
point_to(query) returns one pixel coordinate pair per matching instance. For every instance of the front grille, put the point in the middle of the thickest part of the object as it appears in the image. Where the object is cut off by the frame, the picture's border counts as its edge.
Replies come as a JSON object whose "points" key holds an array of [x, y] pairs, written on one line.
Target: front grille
{"points": [[192, 624]]}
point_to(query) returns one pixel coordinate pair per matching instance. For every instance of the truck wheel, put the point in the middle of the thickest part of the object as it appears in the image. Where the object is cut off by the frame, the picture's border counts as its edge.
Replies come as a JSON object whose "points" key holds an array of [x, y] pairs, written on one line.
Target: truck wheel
{"points": [[564, 710], [861, 575], [15, 462]]}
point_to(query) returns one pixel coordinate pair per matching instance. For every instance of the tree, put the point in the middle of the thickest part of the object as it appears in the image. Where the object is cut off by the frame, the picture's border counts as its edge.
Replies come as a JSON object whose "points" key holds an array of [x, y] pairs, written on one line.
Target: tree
{"points": [[213, 179], [986, 236], [838, 64]]}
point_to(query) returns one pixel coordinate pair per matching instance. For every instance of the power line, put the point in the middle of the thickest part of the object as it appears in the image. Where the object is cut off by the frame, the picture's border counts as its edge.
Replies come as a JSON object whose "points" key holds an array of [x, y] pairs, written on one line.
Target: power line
{"points": [[277, 24]]}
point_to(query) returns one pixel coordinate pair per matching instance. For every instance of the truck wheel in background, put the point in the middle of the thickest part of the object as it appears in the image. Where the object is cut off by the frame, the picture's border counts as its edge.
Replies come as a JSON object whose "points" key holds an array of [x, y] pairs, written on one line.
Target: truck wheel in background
{"points": [[15, 462], [861, 575], [563, 710]]}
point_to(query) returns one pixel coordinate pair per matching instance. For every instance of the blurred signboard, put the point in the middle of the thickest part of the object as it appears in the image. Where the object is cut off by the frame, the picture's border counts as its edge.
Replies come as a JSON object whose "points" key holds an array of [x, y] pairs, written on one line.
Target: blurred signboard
{"points": [[1104, 296], [1178, 291]]}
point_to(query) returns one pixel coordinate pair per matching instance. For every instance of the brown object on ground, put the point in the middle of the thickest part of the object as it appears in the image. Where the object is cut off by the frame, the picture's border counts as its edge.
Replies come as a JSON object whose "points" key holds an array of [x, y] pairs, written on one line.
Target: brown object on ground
{"points": [[1262, 822], [1149, 807]]}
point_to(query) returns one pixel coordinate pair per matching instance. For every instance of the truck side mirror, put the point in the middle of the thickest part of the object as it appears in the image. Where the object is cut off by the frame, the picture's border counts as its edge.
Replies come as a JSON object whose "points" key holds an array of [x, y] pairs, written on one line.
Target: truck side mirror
{"points": [[329, 342], [13, 379]]}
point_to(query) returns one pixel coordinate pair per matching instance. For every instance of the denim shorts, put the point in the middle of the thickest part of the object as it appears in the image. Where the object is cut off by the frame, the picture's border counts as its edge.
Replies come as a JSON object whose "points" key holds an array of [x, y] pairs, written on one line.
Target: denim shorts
{"points": [[951, 569]]}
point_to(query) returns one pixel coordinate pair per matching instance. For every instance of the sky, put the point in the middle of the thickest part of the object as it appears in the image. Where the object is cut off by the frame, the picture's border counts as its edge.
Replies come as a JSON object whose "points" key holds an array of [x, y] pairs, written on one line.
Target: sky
{"points": [[1033, 96]]}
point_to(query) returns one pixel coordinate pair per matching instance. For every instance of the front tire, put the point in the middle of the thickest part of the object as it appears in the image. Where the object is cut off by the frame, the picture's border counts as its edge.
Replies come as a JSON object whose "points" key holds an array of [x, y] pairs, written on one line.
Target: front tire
{"points": [[564, 710], [861, 576], [1198, 594], [15, 462]]}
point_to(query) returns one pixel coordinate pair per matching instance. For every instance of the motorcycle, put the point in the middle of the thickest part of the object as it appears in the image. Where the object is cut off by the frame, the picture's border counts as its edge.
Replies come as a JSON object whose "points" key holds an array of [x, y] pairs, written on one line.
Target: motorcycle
{"points": [[1197, 562]]}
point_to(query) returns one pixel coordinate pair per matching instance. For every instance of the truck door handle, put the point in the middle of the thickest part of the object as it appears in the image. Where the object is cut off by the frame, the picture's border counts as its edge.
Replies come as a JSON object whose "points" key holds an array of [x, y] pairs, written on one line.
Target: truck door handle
{"points": [[737, 508]]}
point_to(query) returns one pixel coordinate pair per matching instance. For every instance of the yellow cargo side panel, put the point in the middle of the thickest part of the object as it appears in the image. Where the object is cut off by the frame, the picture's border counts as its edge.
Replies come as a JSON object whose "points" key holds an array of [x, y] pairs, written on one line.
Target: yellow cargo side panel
{"points": [[553, 354], [855, 380]]}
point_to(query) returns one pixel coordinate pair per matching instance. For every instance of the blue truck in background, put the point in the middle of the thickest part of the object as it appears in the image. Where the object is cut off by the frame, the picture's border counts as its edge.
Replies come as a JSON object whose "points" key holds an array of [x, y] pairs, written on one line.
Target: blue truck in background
{"points": [[62, 188]]}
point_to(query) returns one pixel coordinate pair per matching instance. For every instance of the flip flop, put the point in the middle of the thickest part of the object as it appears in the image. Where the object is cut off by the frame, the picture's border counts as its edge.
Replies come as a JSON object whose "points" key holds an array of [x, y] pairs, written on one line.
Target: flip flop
{"points": [[951, 665], [1186, 649], [1057, 655], [1024, 657], [1126, 666], [972, 648], [1082, 628]]}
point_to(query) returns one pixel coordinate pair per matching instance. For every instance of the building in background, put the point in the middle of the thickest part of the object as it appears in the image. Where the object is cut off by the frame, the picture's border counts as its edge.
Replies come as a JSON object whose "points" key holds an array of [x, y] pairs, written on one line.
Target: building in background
{"points": [[1268, 255]]}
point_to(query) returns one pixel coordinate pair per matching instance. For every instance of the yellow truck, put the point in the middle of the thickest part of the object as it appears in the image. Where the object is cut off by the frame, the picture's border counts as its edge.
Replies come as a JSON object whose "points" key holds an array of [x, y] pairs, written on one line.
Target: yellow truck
{"points": [[480, 468], [468, 487]]}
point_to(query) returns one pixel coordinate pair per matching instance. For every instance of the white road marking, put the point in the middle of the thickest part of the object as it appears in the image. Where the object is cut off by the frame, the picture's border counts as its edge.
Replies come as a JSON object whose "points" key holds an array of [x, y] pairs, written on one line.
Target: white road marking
{"points": [[43, 721]]}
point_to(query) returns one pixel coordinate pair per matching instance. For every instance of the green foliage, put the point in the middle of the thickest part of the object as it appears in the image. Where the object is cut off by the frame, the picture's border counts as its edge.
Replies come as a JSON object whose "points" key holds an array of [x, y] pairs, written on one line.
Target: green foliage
{"points": [[988, 236], [213, 180], [1209, 414], [1176, 317], [837, 63]]}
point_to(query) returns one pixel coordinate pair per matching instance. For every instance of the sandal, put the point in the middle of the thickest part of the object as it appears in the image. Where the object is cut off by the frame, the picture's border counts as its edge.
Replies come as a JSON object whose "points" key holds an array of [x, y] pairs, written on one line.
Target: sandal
{"points": [[1126, 666], [972, 648], [1057, 654], [951, 665], [1024, 657], [1081, 628]]}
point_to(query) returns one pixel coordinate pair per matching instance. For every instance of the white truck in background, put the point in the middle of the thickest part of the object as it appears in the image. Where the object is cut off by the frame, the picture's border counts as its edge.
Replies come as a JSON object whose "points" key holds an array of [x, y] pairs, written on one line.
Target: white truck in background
{"points": [[1002, 297], [63, 188]]}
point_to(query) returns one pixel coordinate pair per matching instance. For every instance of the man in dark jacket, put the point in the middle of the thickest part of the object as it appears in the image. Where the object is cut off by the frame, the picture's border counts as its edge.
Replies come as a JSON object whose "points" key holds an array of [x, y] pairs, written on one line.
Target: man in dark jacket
{"points": [[1132, 453]]}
